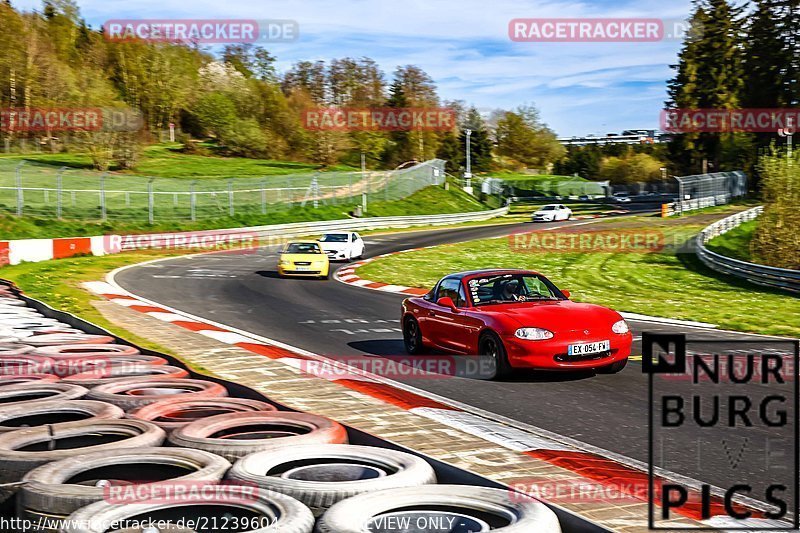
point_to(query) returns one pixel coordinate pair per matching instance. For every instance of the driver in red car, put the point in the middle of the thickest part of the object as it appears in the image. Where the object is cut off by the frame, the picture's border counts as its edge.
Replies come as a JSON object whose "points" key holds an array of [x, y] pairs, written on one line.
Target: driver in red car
{"points": [[511, 291]]}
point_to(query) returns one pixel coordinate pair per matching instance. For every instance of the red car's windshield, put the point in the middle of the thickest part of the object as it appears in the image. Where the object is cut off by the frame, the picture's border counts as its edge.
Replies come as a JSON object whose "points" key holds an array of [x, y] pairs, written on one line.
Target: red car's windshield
{"points": [[506, 288]]}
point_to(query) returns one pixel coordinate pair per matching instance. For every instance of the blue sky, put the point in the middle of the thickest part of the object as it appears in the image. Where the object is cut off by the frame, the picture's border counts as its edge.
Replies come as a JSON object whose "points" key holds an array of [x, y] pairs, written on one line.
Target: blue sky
{"points": [[579, 88]]}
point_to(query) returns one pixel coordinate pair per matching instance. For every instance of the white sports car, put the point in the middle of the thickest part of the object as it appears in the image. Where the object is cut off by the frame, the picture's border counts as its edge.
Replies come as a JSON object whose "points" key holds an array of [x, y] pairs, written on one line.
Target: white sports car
{"points": [[342, 245], [551, 213]]}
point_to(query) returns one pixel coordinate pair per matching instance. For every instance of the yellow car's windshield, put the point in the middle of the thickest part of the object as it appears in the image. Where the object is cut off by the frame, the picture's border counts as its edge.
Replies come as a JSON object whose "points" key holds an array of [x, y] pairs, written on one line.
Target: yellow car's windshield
{"points": [[303, 248]]}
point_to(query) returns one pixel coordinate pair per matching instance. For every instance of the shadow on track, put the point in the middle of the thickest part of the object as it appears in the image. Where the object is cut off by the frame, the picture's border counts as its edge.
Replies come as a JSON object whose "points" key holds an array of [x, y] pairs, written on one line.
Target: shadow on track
{"points": [[273, 274], [383, 347], [394, 349]]}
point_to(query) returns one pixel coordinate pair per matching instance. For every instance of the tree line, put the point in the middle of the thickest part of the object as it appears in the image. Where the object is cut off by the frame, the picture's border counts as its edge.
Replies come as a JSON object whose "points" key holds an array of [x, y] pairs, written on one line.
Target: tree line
{"points": [[239, 100], [734, 57]]}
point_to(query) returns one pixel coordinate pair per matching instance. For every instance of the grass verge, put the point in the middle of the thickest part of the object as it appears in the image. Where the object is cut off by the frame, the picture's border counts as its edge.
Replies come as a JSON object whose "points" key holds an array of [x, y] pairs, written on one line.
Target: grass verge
{"points": [[736, 242], [168, 160], [673, 285]]}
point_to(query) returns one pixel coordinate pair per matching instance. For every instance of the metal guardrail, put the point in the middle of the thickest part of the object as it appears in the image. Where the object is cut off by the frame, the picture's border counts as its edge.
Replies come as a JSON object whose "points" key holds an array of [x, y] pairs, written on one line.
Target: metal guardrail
{"points": [[780, 278], [279, 232]]}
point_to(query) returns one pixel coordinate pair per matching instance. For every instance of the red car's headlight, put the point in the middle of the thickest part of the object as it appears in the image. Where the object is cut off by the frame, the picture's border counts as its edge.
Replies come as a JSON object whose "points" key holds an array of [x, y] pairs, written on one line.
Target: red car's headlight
{"points": [[533, 334], [620, 327]]}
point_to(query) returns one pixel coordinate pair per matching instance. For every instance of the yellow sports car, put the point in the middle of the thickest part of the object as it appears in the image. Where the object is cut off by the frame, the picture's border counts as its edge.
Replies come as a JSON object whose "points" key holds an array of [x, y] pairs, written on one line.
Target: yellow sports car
{"points": [[303, 258]]}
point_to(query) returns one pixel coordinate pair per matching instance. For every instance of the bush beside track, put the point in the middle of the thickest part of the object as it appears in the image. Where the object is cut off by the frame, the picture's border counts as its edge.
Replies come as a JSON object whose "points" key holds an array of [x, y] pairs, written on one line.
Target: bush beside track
{"points": [[669, 285]]}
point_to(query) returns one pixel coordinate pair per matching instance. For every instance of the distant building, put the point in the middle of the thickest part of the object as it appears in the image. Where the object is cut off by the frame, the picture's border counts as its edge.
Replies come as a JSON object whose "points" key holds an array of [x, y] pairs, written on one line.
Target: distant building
{"points": [[626, 137]]}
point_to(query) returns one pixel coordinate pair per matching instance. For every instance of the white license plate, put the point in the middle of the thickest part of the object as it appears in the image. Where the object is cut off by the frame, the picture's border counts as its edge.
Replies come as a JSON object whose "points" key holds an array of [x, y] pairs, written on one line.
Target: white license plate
{"points": [[589, 348], [302, 269]]}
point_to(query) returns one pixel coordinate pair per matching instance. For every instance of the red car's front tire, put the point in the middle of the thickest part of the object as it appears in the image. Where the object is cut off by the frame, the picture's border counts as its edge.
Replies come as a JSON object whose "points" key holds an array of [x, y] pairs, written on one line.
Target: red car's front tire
{"points": [[490, 345]]}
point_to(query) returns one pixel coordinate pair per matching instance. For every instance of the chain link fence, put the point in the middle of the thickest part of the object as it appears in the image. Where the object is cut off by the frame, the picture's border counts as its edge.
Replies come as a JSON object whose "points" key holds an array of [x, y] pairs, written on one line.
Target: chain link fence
{"points": [[559, 187], [706, 190], [38, 190]]}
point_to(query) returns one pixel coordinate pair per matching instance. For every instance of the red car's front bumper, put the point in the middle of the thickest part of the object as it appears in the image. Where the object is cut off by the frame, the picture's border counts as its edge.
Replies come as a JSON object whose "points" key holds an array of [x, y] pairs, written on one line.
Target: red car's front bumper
{"points": [[552, 354]]}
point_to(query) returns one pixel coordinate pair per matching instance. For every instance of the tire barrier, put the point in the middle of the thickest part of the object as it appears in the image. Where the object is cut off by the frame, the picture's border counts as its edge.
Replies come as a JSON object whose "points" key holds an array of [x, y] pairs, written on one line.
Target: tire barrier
{"points": [[24, 449], [40, 391], [16, 312], [30, 331], [170, 415], [85, 351], [135, 392], [274, 513], [27, 378], [55, 339], [62, 487], [234, 436], [322, 475], [13, 348], [26, 363], [35, 414], [78, 358], [117, 373], [472, 508], [100, 363], [24, 322]]}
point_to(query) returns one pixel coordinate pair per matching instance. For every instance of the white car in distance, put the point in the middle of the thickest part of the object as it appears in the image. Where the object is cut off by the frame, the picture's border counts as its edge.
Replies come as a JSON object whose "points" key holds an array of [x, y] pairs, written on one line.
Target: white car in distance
{"points": [[342, 245], [552, 213]]}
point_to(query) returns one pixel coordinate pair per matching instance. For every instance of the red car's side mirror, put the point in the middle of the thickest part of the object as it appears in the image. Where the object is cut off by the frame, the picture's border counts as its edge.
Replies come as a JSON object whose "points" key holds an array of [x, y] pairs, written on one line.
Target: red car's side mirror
{"points": [[446, 301], [565, 293]]}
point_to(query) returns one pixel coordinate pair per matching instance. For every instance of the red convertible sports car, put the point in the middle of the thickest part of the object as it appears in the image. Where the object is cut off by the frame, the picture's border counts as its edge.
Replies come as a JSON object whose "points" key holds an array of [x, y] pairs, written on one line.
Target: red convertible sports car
{"points": [[520, 319]]}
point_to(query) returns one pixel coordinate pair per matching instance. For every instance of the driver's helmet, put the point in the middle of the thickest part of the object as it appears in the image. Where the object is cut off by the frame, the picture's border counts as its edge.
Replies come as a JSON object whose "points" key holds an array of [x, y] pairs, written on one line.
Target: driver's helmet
{"points": [[510, 289]]}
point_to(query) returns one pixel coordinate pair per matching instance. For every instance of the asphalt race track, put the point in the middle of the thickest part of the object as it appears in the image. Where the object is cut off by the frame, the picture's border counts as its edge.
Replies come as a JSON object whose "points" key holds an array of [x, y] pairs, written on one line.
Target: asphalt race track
{"points": [[335, 319]]}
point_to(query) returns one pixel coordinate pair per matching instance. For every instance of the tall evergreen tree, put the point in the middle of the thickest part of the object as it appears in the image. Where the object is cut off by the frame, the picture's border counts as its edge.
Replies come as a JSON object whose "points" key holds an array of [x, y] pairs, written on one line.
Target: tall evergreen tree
{"points": [[480, 142], [708, 76], [399, 149], [767, 64], [682, 90]]}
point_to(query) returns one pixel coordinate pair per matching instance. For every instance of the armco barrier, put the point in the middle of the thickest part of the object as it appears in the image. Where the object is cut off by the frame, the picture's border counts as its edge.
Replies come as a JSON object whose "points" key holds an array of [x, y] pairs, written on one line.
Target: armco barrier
{"points": [[445, 473], [780, 278], [33, 250], [299, 229]]}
